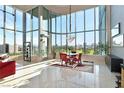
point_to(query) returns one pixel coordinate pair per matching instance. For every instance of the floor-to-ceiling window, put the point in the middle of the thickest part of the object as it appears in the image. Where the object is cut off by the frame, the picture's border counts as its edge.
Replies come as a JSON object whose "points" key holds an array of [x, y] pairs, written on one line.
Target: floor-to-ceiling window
{"points": [[35, 27], [63, 30], [1, 43], [29, 31], [84, 31], [58, 36], [80, 31], [102, 30], [19, 42], [53, 31], [64, 43], [10, 30], [89, 42], [80, 42], [32, 29], [10, 40], [44, 33], [89, 28], [19, 32], [1, 26], [71, 31]]}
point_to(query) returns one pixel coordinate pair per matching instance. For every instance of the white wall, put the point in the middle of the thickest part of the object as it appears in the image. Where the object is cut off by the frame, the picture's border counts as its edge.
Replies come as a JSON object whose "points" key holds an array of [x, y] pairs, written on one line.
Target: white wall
{"points": [[117, 16]]}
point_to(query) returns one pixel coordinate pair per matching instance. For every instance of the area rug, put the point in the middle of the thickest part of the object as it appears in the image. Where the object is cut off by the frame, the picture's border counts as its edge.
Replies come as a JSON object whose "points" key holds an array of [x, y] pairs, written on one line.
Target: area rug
{"points": [[84, 67]]}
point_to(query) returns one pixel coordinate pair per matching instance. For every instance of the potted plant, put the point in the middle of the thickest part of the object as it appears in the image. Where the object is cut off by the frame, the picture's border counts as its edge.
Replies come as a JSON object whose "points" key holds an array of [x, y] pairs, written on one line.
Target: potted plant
{"points": [[102, 49]]}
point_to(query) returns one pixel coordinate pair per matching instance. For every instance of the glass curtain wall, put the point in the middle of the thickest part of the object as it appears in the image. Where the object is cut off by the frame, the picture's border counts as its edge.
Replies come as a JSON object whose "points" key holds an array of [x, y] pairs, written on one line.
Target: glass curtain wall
{"points": [[45, 32], [1, 28], [80, 31], [87, 28], [10, 30], [32, 28], [84, 29], [102, 30]]}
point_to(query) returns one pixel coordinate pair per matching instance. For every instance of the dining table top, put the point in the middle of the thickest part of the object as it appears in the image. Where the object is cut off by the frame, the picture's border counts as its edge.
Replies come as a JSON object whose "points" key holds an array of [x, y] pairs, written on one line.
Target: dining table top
{"points": [[72, 54]]}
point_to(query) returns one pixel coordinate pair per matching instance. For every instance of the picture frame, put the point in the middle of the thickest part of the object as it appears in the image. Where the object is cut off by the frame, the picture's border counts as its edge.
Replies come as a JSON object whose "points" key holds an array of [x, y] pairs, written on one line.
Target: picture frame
{"points": [[115, 30], [118, 41]]}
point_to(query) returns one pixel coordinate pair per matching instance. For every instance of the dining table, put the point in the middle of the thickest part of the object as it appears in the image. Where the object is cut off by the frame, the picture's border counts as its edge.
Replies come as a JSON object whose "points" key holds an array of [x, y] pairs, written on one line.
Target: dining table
{"points": [[71, 57], [72, 54]]}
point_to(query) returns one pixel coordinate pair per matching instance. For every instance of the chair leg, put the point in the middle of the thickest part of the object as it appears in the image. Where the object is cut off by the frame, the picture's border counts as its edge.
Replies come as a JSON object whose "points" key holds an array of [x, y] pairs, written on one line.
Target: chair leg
{"points": [[61, 62], [66, 64]]}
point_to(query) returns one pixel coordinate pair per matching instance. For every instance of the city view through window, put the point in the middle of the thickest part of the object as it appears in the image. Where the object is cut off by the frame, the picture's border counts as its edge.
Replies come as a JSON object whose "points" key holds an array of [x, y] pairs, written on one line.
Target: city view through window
{"points": [[83, 35]]}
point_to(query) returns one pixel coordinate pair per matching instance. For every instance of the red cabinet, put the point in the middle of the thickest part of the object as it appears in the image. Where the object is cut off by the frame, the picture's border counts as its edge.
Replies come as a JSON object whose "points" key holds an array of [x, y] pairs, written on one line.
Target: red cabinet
{"points": [[7, 69]]}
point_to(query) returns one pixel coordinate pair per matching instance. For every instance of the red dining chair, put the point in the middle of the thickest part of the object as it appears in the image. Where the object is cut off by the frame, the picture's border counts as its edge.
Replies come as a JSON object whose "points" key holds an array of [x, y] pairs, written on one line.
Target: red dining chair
{"points": [[77, 58], [64, 58]]}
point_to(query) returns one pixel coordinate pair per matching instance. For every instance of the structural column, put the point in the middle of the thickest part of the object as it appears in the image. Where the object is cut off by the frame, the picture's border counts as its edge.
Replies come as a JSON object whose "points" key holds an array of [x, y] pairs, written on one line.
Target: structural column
{"points": [[94, 30], [108, 27], [50, 36], [84, 35], [4, 33], [14, 31], [24, 32], [39, 28], [61, 31], [66, 33], [31, 26], [75, 34]]}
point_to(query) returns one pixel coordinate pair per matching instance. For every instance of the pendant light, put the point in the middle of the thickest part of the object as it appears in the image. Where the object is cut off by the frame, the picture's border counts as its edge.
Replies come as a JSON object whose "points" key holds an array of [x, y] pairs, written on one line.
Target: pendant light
{"points": [[70, 38]]}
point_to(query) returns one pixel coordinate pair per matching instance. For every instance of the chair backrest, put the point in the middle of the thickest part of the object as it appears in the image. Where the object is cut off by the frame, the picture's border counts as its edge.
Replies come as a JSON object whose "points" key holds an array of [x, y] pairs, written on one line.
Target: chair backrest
{"points": [[63, 56], [79, 56]]}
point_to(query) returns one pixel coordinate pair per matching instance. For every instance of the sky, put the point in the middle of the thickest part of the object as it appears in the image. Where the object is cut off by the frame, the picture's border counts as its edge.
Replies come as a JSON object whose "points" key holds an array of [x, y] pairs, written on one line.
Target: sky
{"points": [[79, 26], [10, 24]]}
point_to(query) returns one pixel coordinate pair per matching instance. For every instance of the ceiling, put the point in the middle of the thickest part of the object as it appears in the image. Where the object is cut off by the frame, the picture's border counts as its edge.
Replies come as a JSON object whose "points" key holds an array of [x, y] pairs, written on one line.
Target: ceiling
{"points": [[24, 7], [59, 9], [65, 9]]}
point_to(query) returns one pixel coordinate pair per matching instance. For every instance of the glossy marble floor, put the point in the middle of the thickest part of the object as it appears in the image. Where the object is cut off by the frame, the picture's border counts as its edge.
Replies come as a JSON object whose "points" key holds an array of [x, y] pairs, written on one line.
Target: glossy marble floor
{"points": [[41, 75]]}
